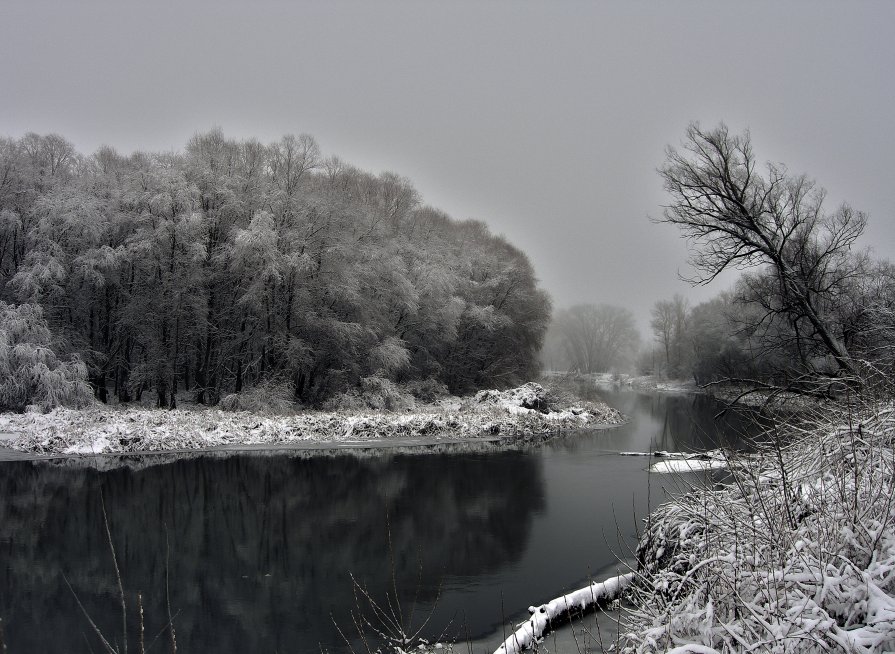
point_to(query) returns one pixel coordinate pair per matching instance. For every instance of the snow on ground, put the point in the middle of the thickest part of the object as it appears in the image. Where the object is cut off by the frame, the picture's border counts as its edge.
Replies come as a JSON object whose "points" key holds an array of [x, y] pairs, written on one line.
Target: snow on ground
{"points": [[796, 555], [104, 429]]}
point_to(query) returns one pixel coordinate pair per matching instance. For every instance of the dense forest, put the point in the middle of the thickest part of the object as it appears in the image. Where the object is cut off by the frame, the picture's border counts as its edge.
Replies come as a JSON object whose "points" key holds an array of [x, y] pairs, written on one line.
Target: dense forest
{"points": [[234, 264]]}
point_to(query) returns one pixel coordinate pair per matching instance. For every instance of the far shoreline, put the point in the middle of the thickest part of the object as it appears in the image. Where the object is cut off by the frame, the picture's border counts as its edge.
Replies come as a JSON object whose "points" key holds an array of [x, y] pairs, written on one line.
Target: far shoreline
{"points": [[491, 419], [401, 445]]}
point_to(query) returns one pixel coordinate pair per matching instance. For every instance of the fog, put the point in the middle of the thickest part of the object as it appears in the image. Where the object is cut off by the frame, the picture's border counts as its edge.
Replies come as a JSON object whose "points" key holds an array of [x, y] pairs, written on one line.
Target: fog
{"points": [[545, 120]]}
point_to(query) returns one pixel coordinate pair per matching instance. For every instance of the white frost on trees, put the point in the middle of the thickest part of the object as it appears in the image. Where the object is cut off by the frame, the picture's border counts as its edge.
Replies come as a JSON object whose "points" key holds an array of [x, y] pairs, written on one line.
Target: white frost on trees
{"points": [[234, 263], [30, 371]]}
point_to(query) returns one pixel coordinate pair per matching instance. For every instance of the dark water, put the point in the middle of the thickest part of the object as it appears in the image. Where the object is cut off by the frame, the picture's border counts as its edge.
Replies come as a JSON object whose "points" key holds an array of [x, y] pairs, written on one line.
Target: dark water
{"points": [[261, 547]]}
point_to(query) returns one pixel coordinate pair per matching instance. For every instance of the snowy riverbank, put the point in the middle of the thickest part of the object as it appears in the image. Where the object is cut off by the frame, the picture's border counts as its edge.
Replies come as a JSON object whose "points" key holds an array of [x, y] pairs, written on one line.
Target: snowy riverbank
{"points": [[113, 430], [797, 554]]}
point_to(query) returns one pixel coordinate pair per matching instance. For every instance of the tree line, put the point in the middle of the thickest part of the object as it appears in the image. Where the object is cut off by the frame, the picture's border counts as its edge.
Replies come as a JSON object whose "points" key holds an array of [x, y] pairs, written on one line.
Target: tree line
{"points": [[233, 263], [810, 311]]}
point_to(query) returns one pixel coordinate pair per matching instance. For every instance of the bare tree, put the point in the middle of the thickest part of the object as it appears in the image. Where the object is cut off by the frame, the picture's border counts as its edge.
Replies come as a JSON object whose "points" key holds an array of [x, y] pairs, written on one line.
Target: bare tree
{"points": [[597, 338], [739, 218], [669, 324]]}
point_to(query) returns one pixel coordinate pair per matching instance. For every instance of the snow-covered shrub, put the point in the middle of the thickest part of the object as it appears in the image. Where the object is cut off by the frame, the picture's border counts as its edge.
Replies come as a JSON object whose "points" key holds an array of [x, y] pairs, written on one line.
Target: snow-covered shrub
{"points": [[350, 400], [31, 373], [427, 390], [376, 393], [796, 554], [270, 396], [556, 396], [528, 396], [383, 394]]}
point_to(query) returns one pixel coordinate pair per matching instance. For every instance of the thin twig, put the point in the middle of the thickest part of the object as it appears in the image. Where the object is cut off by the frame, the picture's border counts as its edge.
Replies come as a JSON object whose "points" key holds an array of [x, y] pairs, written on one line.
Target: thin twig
{"points": [[96, 630], [117, 575]]}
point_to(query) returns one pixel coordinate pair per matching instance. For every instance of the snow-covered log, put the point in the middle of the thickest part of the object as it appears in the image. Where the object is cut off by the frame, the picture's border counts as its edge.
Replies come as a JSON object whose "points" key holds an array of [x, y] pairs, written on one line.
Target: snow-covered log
{"points": [[541, 616]]}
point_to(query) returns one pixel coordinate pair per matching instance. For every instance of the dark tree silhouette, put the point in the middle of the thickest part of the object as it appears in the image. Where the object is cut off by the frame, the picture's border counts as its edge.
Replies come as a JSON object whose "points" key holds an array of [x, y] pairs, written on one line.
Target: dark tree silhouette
{"points": [[740, 218]]}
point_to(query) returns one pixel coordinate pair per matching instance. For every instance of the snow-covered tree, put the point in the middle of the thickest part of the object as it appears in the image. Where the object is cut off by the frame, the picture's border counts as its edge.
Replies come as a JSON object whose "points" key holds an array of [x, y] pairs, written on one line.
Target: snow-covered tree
{"points": [[30, 371]]}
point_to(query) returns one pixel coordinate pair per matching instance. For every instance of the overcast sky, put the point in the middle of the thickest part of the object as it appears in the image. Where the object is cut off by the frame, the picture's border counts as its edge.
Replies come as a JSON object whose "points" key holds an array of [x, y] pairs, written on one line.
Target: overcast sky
{"points": [[546, 120]]}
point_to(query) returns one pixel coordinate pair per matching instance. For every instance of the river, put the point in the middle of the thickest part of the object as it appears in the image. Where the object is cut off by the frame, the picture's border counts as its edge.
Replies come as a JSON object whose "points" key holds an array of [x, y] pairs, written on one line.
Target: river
{"points": [[259, 550]]}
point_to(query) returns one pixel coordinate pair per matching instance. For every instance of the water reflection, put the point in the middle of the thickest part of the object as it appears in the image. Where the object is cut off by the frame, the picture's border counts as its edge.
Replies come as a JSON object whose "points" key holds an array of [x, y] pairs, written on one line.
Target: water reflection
{"points": [[679, 422], [260, 547]]}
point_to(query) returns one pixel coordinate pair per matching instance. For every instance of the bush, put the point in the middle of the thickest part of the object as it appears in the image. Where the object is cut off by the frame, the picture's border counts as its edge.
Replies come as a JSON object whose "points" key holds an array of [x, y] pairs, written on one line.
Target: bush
{"points": [[270, 396], [383, 394], [347, 401], [31, 373], [427, 390], [376, 393]]}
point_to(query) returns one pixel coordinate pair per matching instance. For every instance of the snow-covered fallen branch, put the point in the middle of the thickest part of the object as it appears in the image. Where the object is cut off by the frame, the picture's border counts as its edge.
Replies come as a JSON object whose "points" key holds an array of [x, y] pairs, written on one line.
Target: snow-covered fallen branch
{"points": [[532, 629], [665, 454], [687, 465]]}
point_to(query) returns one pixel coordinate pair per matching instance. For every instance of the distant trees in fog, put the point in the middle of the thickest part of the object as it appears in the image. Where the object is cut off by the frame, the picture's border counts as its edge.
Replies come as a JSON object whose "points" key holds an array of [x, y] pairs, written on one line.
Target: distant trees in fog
{"points": [[669, 322], [701, 342], [589, 338], [733, 337], [235, 262]]}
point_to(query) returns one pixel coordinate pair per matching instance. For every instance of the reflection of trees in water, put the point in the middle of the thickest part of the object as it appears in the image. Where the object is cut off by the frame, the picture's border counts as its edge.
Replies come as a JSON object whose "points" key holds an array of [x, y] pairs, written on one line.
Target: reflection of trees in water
{"points": [[682, 422], [260, 547], [692, 422]]}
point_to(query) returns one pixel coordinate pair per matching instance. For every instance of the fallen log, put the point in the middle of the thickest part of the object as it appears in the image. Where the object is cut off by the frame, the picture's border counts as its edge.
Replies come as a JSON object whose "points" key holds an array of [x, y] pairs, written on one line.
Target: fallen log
{"points": [[541, 616]]}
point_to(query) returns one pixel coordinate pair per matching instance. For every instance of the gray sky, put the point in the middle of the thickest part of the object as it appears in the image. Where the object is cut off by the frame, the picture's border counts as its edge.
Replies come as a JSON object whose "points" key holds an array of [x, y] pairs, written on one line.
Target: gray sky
{"points": [[546, 120]]}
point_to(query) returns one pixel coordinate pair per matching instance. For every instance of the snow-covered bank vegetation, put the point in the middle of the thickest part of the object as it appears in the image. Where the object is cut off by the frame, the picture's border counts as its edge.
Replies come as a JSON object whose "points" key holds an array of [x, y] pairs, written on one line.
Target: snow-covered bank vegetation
{"points": [[797, 553], [522, 411]]}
